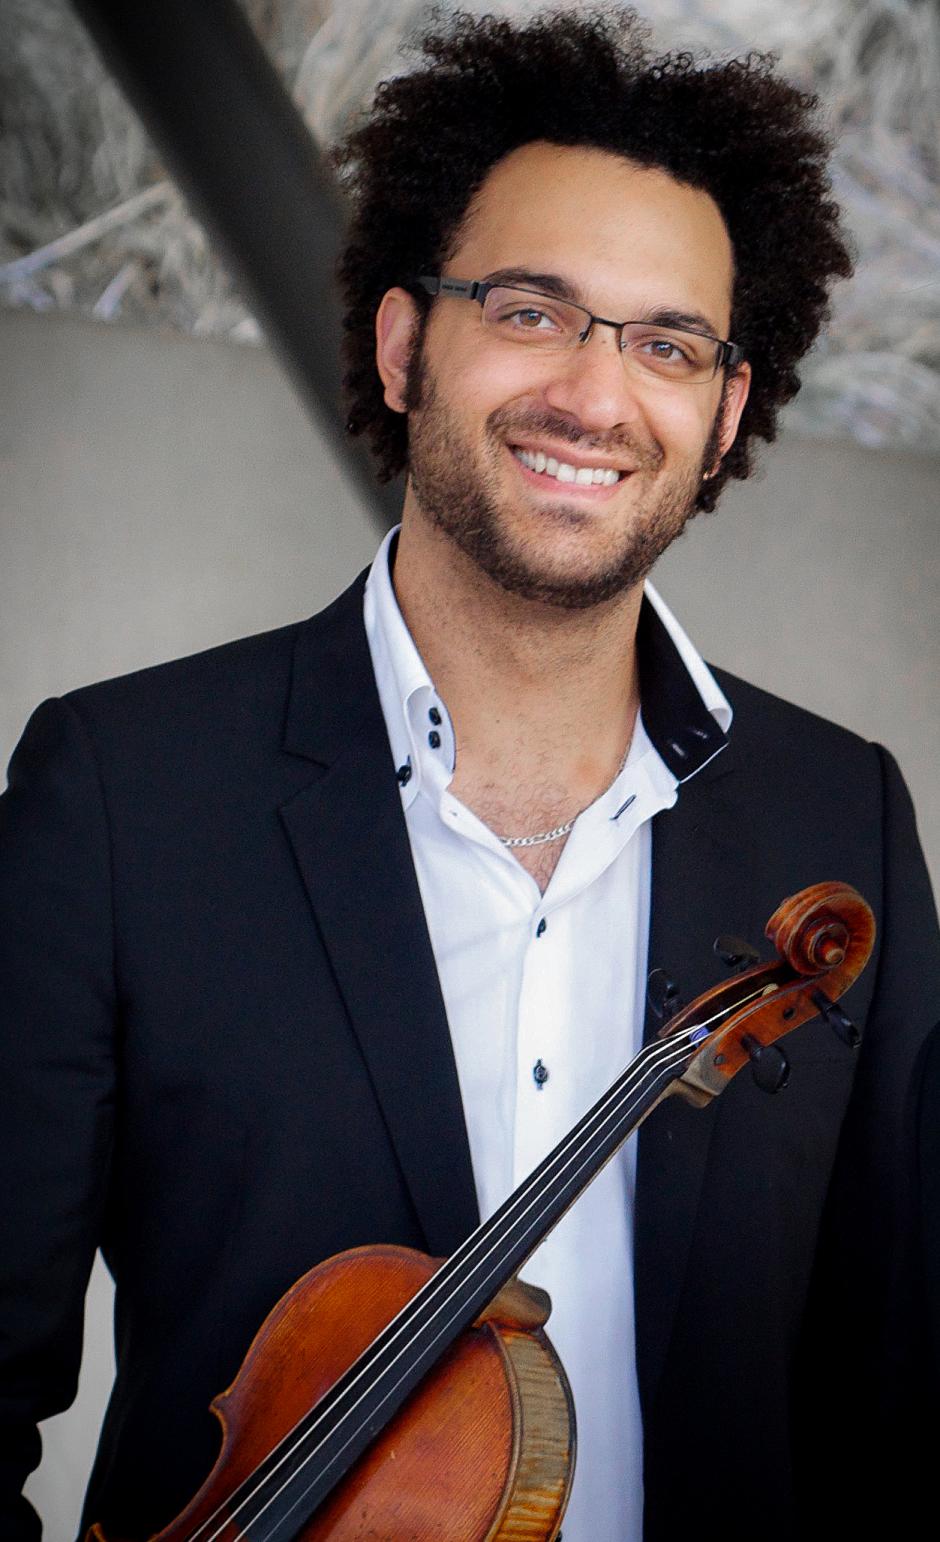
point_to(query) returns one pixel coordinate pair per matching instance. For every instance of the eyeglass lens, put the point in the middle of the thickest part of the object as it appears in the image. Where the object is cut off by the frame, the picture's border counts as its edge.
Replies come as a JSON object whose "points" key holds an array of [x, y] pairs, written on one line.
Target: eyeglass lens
{"points": [[541, 321]]}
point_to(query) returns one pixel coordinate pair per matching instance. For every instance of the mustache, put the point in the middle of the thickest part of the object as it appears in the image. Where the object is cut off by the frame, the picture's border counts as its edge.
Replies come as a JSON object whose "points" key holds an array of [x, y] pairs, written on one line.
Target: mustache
{"points": [[646, 455]]}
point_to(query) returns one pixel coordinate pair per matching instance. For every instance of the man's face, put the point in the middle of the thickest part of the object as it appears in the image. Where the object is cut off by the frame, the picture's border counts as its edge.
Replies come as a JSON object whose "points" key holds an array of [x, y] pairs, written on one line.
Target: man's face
{"points": [[628, 243]]}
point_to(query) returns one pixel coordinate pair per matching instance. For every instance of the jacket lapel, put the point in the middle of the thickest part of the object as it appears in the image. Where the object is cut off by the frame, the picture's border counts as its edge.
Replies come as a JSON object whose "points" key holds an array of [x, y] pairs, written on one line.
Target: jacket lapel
{"points": [[351, 845], [350, 841], [702, 887]]}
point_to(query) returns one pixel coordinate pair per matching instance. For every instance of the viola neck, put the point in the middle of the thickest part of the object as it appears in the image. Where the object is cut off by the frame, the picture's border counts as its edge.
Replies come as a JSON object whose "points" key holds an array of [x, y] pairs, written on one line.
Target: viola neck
{"points": [[303, 1469], [499, 1247]]}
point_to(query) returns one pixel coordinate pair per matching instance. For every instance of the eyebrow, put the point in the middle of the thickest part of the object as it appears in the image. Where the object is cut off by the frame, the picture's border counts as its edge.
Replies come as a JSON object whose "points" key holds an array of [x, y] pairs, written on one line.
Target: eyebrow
{"points": [[554, 284], [525, 278], [664, 317]]}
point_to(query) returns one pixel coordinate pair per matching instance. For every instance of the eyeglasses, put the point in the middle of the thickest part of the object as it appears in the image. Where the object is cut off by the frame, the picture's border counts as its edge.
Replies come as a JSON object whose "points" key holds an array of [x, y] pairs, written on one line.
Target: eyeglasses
{"points": [[543, 322]]}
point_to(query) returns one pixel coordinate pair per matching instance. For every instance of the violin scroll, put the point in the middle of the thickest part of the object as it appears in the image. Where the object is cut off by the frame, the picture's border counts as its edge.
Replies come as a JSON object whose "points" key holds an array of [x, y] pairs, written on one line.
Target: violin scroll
{"points": [[824, 929], [824, 936]]}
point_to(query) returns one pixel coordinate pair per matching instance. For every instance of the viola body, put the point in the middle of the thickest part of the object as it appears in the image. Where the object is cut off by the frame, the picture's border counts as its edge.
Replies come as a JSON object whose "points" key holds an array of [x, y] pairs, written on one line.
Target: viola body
{"points": [[483, 1446], [486, 1441]]}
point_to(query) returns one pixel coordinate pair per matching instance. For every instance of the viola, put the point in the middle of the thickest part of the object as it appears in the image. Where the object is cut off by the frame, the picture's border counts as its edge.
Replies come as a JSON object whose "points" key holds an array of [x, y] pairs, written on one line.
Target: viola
{"points": [[389, 1395]]}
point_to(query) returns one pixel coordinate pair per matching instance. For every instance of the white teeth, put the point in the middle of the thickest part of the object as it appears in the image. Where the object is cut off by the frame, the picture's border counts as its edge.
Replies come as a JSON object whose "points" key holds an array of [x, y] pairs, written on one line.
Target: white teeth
{"points": [[582, 476]]}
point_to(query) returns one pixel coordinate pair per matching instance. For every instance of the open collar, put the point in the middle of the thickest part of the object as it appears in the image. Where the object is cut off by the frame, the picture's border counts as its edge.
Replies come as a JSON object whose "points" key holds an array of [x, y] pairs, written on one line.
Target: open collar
{"points": [[685, 713]]}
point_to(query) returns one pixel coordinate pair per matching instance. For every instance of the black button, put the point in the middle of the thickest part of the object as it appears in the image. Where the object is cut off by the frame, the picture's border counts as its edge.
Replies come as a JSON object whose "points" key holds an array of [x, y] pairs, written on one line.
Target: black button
{"points": [[434, 739], [434, 715], [540, 929], [404, 775], [539, 1074]]}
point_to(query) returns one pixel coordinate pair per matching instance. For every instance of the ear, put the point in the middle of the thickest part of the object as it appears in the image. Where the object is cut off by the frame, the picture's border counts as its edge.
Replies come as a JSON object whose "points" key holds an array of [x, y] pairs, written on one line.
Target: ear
{"points": [[395, 324], [736, 393]]}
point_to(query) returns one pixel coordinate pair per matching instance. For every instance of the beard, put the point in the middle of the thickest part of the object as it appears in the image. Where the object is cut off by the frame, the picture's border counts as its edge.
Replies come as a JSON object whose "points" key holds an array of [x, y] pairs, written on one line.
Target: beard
{"points": [[458, 491]]}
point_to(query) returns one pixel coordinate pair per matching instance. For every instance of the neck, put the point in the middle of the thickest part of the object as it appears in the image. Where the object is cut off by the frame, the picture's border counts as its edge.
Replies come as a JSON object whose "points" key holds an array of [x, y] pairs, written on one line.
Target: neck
{"points": [[543, 699]]}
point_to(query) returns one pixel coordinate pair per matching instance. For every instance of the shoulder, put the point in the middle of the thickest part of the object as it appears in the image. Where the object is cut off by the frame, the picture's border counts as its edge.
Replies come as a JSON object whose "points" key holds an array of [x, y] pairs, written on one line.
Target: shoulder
{"points": [[789, 747], [204, 725], [760, 716], [227, 693], [802, 785], [216, 680]]}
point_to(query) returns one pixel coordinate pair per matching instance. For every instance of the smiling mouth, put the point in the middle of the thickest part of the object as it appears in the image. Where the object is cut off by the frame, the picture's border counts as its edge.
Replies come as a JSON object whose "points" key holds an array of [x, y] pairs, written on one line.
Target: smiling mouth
{"points": [[562, 471]]}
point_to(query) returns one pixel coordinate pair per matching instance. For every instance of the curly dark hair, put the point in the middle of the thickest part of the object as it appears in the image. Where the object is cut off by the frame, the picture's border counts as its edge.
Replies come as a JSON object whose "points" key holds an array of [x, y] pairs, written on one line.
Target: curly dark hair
{"points": [[486, 86]]}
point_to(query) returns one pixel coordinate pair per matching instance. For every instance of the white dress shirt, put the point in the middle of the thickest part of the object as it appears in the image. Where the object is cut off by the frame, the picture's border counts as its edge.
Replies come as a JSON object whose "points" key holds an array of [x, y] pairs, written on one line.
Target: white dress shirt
{"points": [[553, 981]]}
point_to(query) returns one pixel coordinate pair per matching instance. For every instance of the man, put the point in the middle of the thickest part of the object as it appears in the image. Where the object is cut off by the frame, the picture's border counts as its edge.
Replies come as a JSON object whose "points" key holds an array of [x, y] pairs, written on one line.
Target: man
{"points": [[325, 937]]}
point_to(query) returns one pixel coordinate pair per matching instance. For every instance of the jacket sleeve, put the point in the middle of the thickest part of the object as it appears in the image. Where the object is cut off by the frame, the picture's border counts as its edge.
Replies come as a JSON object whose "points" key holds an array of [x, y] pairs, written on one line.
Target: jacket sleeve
{"points": [[866, 1352], [57, 1077]]}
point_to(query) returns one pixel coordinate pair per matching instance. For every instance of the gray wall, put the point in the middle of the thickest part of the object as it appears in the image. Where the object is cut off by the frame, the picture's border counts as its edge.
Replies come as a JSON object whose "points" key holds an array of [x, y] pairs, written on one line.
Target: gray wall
{"points": [[159, 495]]}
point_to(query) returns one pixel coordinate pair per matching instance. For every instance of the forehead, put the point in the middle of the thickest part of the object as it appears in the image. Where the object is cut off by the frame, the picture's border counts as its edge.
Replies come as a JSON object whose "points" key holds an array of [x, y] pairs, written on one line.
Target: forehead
{"points": [[622, 235]]}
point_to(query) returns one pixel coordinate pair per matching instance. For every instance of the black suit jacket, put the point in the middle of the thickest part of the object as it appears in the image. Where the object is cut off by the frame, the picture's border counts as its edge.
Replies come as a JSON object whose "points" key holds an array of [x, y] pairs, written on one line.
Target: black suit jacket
{"points": [[226, 1058]]}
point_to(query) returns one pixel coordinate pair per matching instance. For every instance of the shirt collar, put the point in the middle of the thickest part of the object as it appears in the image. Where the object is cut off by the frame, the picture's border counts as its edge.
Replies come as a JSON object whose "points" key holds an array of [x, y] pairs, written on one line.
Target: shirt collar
{"points": [[687, 715], [420, 731], [684, 712]]}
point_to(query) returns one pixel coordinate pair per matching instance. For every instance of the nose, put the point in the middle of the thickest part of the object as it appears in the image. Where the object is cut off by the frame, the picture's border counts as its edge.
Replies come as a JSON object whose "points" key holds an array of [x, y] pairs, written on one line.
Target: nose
{"points": [[590, 383]]}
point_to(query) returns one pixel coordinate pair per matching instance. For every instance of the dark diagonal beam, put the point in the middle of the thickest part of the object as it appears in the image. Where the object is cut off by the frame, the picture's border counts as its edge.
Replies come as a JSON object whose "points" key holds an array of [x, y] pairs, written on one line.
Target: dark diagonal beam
{"points": [[233, 140]]}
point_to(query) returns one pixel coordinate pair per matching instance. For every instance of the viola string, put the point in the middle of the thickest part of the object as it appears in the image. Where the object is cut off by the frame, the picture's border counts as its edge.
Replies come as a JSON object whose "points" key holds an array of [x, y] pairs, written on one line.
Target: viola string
{"points": [[423, 1299], [444, 1333], [653, 1059], [498, 1231]]}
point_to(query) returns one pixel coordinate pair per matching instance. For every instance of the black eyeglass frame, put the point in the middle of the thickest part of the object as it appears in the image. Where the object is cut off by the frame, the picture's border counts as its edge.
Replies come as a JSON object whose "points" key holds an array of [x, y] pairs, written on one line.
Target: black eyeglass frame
{"points": [[731, 355]]}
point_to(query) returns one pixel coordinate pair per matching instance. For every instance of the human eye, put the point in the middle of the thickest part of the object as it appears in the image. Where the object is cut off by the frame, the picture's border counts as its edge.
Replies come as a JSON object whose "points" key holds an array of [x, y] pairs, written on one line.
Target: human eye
{"points": [[528, 317], [531, 319], [667, 352]]}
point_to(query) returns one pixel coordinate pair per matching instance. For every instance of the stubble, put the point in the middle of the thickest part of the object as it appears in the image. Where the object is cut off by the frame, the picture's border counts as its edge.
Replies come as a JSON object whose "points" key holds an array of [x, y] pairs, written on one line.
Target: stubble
{"points": [[458, 491]]}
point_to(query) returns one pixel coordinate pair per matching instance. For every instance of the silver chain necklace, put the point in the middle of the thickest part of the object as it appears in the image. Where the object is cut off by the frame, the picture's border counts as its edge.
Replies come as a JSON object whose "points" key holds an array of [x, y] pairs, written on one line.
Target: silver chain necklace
{"points": [[537, 840], [551, 835]]}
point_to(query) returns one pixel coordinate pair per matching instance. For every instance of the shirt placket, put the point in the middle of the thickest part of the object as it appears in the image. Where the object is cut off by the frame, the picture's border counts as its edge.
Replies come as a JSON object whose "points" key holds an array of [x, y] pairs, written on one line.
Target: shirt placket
{"points": [[542, 1107]]}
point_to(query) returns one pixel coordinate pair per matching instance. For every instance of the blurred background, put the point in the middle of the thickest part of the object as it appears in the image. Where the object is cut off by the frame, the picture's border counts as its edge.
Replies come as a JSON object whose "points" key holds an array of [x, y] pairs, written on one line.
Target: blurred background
{"points": [[172, 466]]}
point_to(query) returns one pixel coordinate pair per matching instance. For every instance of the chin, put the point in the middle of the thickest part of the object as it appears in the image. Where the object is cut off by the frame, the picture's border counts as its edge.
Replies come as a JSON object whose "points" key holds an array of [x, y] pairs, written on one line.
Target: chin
{"points": [[571, 582]]}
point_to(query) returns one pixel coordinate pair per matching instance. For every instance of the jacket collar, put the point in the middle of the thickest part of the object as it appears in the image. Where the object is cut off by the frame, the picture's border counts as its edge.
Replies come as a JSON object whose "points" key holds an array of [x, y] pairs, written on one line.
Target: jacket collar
{"points": [[682, 726]]}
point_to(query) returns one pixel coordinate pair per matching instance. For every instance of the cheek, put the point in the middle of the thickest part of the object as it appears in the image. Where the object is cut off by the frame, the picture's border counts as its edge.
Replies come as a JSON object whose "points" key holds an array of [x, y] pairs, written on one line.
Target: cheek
{"points": [[683, 420], [484, 384]]}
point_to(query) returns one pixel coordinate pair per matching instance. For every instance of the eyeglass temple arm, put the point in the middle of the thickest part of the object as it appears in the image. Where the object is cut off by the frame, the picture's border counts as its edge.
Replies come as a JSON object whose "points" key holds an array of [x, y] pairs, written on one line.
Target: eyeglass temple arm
{"points": [[472, 288]]}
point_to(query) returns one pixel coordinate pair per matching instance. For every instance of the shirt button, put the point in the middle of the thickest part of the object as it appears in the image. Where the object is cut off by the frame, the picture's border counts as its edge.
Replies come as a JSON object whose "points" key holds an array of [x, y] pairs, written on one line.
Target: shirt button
{"points": [[541, 928], [434, 739], [539, 1074], [435, 716]]}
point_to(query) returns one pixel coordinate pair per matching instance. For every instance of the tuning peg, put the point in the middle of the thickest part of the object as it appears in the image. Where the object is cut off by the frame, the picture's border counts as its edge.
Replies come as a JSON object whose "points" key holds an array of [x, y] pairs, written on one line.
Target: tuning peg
{"points": [[769, 1065], [734, 952], [842, 1026], [662, 995]]}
